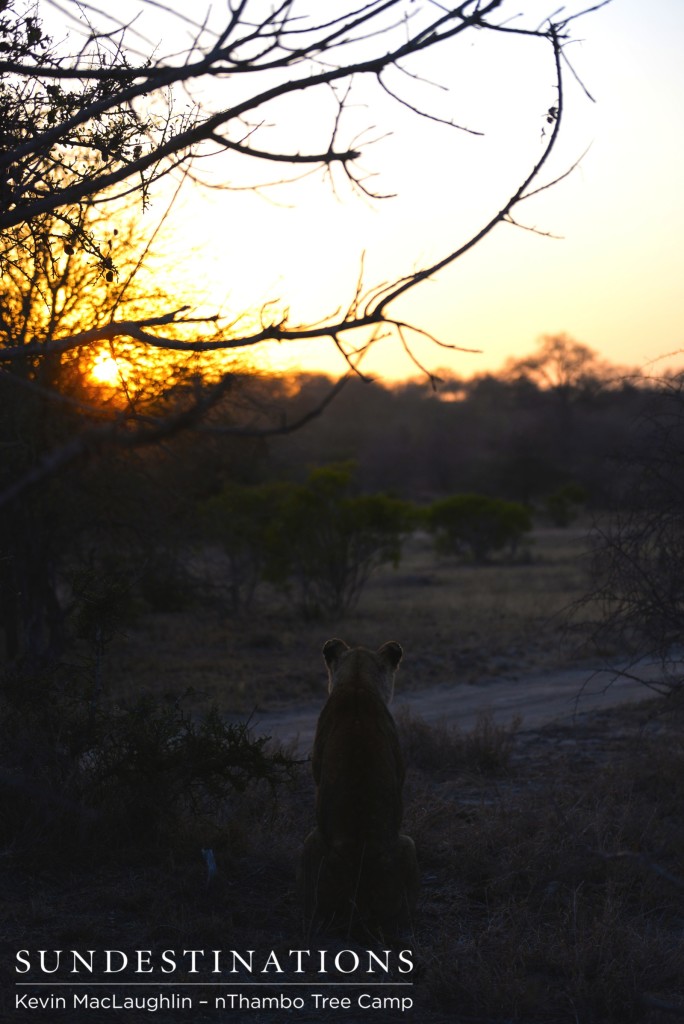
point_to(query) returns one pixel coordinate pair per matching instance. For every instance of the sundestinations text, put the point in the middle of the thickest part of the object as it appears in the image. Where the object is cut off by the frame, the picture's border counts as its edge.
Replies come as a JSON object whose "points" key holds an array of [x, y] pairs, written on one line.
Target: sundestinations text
{"points": [[58, 963]]}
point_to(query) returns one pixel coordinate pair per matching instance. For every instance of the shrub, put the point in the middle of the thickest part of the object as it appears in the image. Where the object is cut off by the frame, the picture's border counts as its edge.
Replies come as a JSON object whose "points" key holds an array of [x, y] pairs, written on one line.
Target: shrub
{"points": [[86, 777], [476, 526], [153, 766], [328, 541]]}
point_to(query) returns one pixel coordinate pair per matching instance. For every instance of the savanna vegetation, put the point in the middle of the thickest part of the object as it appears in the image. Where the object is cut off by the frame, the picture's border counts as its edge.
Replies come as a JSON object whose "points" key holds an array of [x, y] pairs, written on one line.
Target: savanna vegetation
{"points": [[179, 534]]}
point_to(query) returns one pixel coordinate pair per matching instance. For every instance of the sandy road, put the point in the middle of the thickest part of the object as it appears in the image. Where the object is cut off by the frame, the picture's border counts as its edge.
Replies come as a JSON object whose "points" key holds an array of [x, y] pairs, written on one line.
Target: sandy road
{"points": [[539, 698]]}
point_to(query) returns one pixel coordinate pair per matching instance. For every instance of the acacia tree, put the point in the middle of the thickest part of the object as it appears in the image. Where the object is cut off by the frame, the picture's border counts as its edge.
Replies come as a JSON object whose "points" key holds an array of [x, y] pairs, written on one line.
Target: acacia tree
{"points": [[561, 364], [568, 371]]}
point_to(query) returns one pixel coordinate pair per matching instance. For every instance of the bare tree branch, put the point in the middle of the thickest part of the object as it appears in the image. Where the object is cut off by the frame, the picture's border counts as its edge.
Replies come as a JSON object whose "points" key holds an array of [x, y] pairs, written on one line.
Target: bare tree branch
{"points": [[505, 210], [128, 84], [284, 427]]}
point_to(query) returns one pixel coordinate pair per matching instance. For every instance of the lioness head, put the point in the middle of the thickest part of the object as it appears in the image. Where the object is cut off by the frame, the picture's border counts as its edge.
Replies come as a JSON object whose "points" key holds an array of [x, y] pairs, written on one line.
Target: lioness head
{"points": [[346, 664]]}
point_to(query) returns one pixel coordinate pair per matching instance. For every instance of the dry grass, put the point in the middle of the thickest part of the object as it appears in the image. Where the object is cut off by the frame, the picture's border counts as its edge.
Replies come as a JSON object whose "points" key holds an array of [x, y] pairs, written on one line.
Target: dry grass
{"points": [[486, 749], [552, 922]]}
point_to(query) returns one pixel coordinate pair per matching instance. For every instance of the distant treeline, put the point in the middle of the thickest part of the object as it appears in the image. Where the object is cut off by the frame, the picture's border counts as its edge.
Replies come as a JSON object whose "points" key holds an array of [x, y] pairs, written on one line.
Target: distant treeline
{"points": [[505, 438]]}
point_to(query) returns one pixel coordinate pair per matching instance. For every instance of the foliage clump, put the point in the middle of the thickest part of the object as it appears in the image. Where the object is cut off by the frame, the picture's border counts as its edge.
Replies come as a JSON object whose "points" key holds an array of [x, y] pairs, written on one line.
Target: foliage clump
{"points": [[102, 775], [155, 764], [330, 540], [34, 107], [475, 526]]}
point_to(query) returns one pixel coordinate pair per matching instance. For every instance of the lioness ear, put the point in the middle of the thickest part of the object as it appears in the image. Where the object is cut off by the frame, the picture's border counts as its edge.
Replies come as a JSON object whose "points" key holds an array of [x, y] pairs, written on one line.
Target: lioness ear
{"points": [[391, 652], [332, 649]]}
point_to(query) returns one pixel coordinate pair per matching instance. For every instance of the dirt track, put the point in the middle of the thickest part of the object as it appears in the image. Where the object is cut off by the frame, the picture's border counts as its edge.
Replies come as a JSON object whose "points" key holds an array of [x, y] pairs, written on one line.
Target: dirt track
{"points": [[539, 699]]}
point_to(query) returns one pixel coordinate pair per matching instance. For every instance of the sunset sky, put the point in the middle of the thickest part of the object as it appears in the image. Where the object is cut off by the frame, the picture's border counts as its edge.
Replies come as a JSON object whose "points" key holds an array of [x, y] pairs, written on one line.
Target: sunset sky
{"points": [[613, 281]]}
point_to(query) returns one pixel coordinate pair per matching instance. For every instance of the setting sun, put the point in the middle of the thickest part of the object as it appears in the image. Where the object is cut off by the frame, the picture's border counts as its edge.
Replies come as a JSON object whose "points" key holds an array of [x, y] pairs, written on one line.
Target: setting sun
{"points": [[105, 370]]}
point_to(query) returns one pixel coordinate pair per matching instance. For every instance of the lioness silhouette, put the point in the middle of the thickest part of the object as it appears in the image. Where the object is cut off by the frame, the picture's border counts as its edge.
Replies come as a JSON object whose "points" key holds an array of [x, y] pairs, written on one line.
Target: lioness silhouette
{"points": [[358, 873]]}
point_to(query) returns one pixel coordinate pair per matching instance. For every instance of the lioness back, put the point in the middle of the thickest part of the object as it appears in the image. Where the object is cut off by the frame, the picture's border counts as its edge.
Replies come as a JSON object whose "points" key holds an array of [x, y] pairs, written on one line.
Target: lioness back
{"points": [[357, 762], [356, 869]]}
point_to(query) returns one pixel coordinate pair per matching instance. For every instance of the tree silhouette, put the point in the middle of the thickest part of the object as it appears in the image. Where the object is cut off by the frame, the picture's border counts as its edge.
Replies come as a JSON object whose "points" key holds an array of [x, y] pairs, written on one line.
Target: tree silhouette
{"points": [[50, 404], [560, 364]]}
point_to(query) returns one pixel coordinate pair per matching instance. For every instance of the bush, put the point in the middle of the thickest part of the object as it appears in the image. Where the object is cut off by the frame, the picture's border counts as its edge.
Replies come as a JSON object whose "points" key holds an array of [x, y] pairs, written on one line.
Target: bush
{"points": [[475, 526], [154, 766], [85, 776], [328, 542]]}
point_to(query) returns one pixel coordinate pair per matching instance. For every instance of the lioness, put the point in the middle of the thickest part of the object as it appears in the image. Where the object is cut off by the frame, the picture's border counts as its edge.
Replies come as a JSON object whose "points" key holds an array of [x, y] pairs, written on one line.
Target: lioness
{"points": [[357, 871]]}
